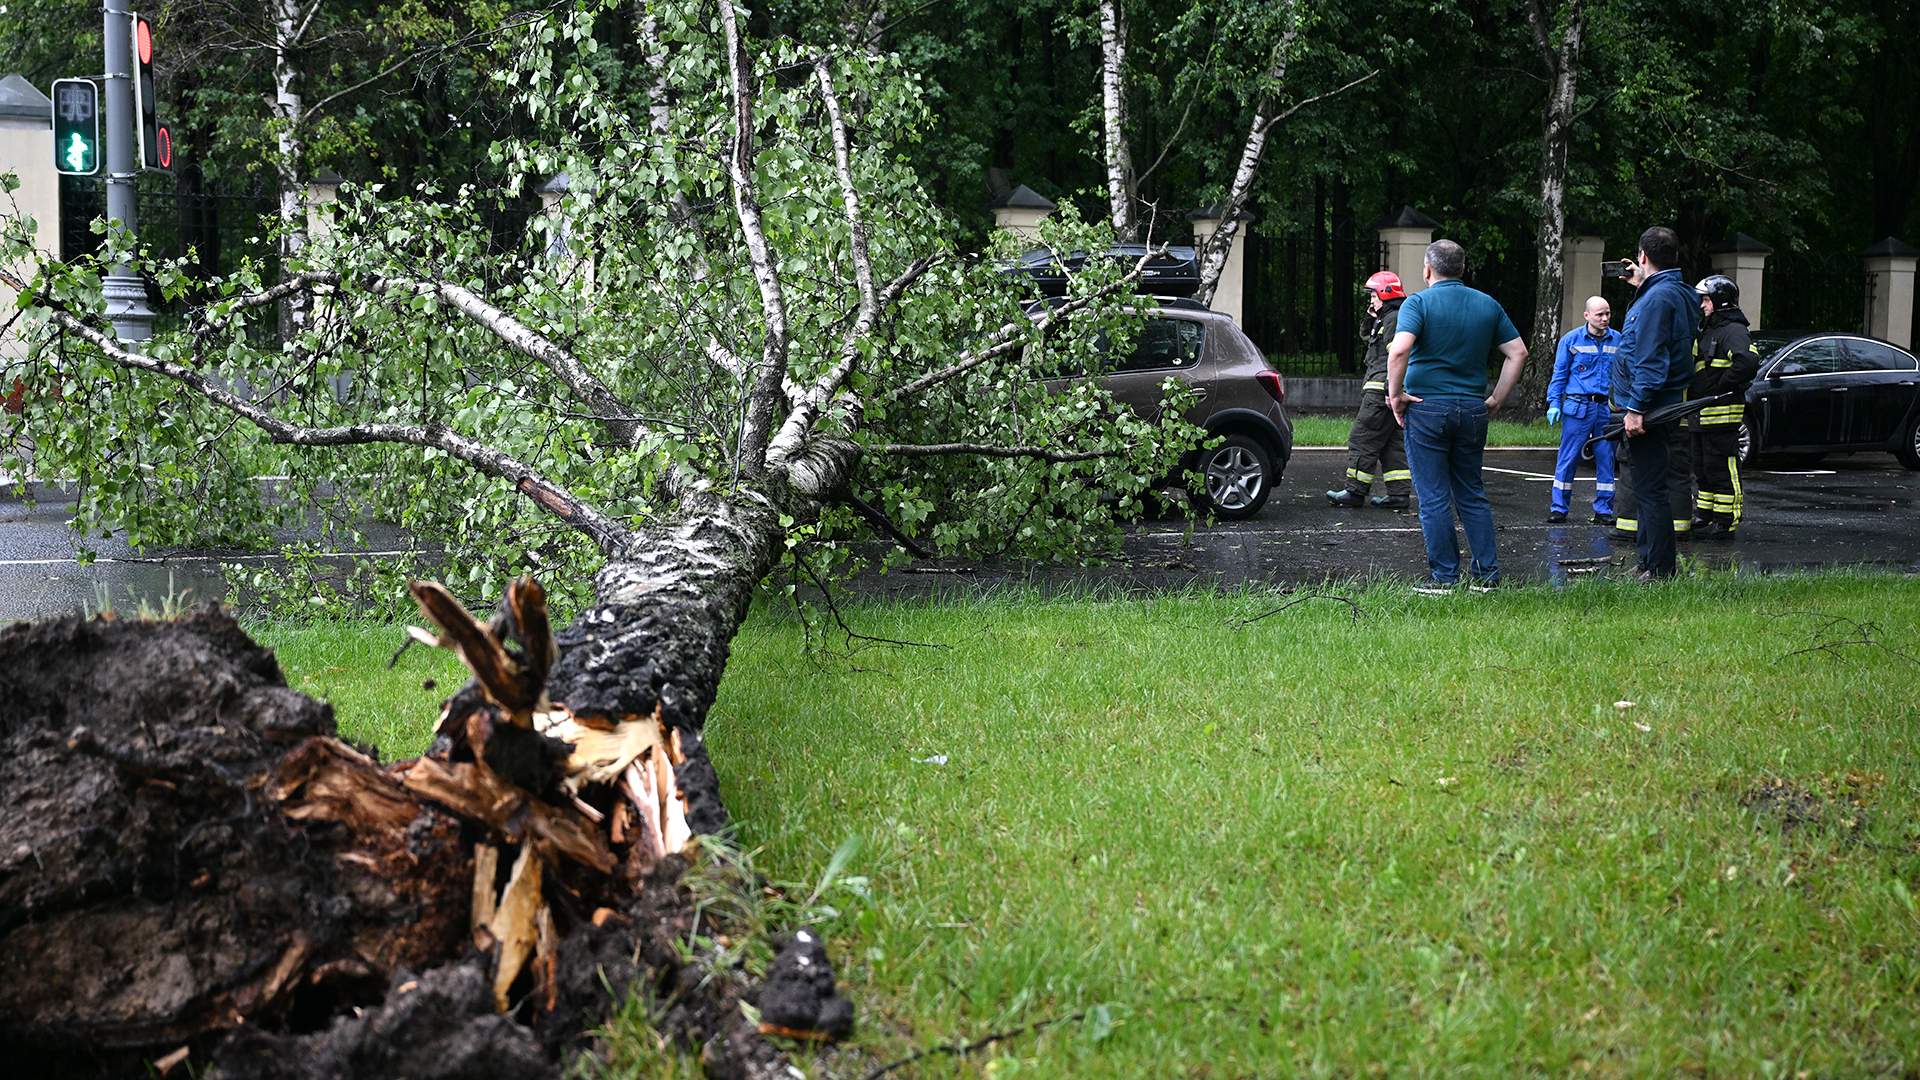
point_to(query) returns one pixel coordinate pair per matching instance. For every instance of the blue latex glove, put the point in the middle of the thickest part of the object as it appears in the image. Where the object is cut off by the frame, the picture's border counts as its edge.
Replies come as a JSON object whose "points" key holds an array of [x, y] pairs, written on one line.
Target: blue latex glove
{"points": [[1553, 414]]}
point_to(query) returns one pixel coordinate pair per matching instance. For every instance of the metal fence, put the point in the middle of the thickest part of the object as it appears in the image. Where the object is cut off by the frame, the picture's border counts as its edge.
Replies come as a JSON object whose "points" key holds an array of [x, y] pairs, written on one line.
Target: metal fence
{"points": [[1304, 304], [1815, 292]]}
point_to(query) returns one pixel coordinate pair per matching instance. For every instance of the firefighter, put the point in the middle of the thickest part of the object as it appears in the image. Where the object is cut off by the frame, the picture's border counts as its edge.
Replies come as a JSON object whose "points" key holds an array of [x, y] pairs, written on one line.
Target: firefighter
{"points": [[1577, 393], [1375, 450], [1723, 363]]}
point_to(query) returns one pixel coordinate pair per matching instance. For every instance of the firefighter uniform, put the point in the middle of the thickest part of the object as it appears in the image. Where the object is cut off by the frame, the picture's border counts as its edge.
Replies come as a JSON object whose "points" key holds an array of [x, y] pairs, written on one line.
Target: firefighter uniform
{"points": [[1376, 449], [1578, 389], [1724, 363]]}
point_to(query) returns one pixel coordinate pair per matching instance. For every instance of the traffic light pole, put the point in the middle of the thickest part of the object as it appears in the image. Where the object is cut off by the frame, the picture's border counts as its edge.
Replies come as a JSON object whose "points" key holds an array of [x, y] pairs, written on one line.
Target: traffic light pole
{"points": [[126, 293]]}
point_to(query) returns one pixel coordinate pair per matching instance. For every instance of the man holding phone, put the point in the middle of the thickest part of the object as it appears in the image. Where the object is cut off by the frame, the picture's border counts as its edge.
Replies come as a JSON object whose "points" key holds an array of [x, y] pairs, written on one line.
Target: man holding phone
{"points": [[1651, 369]]}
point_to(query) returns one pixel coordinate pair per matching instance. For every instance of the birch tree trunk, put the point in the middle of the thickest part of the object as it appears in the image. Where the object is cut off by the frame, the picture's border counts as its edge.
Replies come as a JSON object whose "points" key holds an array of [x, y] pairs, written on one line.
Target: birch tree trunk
{"points": [[1113, 101], [1556, 133], [289, 113]]}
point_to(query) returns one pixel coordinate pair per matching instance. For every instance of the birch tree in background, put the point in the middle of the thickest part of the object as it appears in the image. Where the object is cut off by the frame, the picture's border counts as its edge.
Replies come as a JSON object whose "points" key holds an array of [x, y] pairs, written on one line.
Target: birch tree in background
{"points": [[1557, 35]]}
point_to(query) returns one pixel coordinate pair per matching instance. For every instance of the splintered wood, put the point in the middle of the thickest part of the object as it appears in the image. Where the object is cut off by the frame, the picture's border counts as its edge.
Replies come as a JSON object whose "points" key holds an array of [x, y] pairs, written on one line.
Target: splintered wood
{"points": [[614, 802]]}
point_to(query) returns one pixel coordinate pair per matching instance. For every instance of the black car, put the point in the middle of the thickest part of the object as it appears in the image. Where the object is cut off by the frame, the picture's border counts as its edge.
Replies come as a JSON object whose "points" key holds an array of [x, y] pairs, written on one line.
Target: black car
{"points": [[1820, 393]]}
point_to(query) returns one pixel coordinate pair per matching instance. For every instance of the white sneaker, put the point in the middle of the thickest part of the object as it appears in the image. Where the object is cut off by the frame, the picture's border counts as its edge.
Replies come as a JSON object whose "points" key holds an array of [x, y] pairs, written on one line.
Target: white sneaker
{"points": [[1434, 590]]}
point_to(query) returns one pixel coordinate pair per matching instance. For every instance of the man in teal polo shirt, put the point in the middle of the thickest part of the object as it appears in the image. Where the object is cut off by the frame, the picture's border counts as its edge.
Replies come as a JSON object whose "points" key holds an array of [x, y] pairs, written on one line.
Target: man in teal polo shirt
{"points": [[1437, 387]]}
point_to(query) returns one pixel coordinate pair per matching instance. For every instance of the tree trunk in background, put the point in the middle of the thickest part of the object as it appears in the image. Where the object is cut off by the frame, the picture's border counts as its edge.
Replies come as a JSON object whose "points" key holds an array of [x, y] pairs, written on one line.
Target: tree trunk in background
{"points": [[1563, 66], [289, 114], [1113, 111]]}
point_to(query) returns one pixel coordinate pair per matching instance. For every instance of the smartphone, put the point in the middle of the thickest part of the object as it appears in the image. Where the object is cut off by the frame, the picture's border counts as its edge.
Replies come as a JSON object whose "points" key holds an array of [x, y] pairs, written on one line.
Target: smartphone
{"points": [[1616, 268]]}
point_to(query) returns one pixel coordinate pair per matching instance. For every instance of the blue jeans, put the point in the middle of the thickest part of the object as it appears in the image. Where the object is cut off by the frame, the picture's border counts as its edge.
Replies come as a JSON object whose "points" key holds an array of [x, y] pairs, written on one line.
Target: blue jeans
{"points": [[1580, 421], [1446, 438]]}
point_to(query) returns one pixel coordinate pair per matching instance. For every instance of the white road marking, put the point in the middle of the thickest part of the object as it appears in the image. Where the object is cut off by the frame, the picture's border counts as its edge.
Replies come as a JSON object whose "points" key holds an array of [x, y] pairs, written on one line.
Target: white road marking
{"points": [[1523, 473]]}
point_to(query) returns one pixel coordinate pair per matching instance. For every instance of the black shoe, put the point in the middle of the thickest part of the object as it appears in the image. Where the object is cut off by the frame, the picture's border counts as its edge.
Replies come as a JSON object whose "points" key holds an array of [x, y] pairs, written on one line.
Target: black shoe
{"points": [[1623, 536], [1599, 518], [1683, 536], [1352, 500], [1556, 517], [1713, 532], [1388, 502]]}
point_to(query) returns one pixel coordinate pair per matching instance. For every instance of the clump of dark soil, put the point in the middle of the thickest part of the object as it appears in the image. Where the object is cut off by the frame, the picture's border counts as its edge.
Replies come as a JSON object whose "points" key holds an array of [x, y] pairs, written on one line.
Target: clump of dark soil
{"points": [[189, 859], [1835, 804]]}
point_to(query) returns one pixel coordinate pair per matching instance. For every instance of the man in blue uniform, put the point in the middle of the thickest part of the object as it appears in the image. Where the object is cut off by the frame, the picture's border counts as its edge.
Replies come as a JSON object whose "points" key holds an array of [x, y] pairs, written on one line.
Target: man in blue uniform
{"points": [[1577, 394]]}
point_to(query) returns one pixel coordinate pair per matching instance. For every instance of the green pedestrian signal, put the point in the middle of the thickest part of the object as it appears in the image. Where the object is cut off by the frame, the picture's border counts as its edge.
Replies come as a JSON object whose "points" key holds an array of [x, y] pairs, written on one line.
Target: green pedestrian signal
{"points": [[76, 127]]}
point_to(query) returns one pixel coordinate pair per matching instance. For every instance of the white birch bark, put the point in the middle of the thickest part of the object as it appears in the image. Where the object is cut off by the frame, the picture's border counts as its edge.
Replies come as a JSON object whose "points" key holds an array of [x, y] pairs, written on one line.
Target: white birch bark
{"points": [[289, 114], [1556, 135], [1113, 108]]}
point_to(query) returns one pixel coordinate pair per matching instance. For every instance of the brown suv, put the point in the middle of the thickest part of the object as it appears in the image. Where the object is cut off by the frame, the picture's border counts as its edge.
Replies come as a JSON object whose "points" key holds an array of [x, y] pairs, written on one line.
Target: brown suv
{"points": [[1241, 401]]}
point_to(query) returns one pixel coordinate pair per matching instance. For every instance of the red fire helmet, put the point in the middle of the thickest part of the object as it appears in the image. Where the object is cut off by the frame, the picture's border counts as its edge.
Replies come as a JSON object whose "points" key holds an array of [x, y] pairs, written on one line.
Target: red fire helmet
{"points": [[1387, 284]]}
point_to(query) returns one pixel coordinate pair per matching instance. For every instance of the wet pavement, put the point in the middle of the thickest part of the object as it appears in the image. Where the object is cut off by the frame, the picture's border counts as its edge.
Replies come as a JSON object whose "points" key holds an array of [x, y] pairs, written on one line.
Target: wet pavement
{"points": [[1862, 509], [42, 572]]}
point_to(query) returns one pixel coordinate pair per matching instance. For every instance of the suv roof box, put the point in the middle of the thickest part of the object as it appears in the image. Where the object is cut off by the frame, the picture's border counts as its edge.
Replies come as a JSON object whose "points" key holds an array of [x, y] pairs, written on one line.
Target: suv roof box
{"points": [[1174, 273]]}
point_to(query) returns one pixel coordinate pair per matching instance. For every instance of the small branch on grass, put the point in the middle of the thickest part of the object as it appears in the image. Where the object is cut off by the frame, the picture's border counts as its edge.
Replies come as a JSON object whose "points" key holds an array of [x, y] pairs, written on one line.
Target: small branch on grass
{"points": [[826, 595], [1862, 634], [961, 1049], [1353, 609]]}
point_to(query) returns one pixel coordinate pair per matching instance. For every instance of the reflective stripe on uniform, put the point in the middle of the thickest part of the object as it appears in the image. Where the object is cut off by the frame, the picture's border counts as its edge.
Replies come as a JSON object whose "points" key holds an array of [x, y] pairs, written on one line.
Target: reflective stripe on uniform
{"points": [[1603, 487], [1626, 524], [1373, 386], [1397, 474], [1562, 485], [1739, 497], [1362, 476]]}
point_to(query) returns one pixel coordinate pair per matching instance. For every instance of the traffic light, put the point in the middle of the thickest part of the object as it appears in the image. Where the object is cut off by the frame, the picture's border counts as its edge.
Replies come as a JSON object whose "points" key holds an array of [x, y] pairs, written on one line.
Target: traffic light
{"points": [[76, 127], [156, 142]]}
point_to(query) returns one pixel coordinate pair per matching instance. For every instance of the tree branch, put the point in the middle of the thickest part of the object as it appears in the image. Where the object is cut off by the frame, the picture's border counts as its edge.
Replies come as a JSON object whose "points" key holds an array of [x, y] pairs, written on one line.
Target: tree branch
{"points": [[990, 450], [815, 398], [884, 525], [317, 108], [612, 537], [1014, 334], [765, 396], [627, 430]]}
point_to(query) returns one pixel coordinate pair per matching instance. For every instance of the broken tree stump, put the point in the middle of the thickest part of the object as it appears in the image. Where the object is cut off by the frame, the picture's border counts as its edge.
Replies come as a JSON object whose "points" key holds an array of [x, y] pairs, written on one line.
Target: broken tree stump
{"points": [[194, 867]]}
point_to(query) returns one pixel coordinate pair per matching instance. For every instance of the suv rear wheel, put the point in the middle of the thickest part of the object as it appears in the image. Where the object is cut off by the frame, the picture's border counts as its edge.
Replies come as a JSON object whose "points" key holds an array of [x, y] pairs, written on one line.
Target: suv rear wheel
{"points": [[1239, 477]]}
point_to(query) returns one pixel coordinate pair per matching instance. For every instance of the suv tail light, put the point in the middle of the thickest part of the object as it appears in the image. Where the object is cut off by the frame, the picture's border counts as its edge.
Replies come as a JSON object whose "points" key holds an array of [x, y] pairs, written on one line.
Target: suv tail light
{"points": [[1273, 384]]}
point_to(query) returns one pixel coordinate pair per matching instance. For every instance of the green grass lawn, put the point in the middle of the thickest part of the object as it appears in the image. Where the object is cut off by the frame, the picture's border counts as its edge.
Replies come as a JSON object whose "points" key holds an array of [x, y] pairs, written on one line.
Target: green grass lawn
{"points": [[1420, 841], [1332, 431]]}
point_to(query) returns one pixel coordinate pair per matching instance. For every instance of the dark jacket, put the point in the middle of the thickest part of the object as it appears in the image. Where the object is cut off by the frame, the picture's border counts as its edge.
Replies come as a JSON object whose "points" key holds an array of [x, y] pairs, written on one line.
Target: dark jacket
{"points": [[1724, 361], [1380, 331], [1654, 366]]}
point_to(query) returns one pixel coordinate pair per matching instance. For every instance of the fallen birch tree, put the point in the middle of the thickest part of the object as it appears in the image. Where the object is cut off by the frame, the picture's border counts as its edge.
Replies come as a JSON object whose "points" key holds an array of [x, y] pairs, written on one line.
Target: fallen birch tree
{"points": [[743, 332]]}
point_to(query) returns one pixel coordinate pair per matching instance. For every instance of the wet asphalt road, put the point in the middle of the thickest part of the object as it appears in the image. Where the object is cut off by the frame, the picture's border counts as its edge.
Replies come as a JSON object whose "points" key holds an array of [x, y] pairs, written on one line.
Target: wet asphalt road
{"points": [[1862, 509]]}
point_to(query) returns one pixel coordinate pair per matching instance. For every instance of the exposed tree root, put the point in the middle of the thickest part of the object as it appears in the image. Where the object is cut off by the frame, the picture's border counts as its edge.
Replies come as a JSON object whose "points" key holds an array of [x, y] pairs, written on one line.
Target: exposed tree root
{"points": [[190, 859]]}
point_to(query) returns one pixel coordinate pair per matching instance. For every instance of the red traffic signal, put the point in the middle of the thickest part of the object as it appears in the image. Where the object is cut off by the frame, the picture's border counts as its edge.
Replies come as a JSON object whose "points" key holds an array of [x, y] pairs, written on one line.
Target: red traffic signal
{"points": [[156, 146]]}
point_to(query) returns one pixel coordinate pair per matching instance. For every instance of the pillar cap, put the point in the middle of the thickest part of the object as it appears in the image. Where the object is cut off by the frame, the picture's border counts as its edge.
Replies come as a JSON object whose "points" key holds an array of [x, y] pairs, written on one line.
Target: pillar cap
{"points": [[327, 177], [21, 100], [1739, 244], [1216, 212], [1406, 218], [1890, 247], [557, 184], [1022, 198]]}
